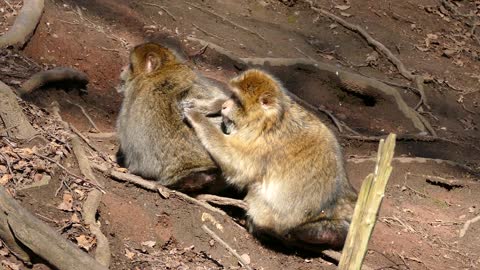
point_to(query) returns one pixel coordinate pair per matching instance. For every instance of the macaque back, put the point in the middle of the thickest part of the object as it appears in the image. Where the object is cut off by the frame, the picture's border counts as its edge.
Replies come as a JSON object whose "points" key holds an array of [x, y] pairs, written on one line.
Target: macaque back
{"points": [[155, 142]]}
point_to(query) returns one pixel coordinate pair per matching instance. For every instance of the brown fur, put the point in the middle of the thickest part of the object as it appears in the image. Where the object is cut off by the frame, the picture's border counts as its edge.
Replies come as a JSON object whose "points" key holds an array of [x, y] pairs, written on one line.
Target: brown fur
{"points": [[287, 159], [154, 140]]}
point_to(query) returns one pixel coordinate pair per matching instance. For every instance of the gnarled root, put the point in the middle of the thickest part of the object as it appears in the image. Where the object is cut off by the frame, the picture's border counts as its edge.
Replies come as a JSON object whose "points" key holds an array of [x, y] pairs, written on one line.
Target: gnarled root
{"points": [[26, 22]]}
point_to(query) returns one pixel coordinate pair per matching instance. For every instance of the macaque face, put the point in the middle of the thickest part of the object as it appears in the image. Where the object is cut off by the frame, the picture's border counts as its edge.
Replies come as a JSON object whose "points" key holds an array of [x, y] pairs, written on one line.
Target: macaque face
{"points": [[230, 110], [126, 73]]}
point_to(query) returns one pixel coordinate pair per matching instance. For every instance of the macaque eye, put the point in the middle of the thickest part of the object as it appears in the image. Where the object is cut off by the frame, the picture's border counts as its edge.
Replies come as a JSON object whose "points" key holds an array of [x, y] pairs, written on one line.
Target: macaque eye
{"points": [[237, 101]]}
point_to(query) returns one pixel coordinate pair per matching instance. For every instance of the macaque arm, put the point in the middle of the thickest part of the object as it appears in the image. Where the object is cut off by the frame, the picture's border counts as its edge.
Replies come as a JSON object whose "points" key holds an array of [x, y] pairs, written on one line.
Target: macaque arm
{"points": [[208, 106], [212, 139]]}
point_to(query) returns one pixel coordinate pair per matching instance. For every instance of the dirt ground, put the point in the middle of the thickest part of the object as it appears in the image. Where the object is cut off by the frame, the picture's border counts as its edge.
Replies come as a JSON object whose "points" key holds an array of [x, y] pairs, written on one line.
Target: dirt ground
{"points": [[427, 202]]}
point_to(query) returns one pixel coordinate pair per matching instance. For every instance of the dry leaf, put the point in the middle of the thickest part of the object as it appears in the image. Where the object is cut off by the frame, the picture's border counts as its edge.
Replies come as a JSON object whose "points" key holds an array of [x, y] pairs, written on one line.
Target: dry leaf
{"points": [[129, 254], [246, 258], [149, 243], [4, 252], [3, 169], [327, 56], [449, 52], [10, 265], [85, 242], [20, 165], [372, 58], [67, 203], [74, 218], [80, 193], [342, 7], [122, 170], [458, 62], [5, 178]]}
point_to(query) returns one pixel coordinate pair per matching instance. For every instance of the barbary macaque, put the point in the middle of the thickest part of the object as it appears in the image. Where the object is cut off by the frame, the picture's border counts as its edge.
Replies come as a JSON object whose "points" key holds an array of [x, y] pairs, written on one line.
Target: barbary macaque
{"points": [[289, 162], [155, 141]]}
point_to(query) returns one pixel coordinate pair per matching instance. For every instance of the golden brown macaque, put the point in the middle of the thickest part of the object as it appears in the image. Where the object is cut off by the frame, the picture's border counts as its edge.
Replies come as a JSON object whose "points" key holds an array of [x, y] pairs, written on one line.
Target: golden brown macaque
{"points": [[287, 159], [155, 141]]}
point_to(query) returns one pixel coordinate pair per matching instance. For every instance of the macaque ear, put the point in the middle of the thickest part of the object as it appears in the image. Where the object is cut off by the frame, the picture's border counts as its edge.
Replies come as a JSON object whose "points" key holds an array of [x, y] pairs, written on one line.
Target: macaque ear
{"points": [[267, 100], [152, 62]]}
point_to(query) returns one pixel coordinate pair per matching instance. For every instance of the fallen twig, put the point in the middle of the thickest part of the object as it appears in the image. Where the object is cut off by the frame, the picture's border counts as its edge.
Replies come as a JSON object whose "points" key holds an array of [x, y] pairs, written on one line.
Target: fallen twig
{"points": [[41, 78], [10, 6], [153, 186], [227, 20], [206, 33], [417, 79], [333, 118], [223, 201], [87, 141], [103, 135], [7, 162], [467, 224], [24, 25], [85, 114], [88, 181], [227, 246], [162, 8]]}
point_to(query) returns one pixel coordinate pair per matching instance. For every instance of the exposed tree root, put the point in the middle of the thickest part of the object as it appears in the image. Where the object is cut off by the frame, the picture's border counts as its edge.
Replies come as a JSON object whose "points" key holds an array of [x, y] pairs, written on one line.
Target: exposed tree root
{"points": [[53, 75], [16, 123], [25, 24], [409, 137], [153, 186], [417, 79], [418, 160], [467, 224], [350, 81], [90, 207], [34, 236]]}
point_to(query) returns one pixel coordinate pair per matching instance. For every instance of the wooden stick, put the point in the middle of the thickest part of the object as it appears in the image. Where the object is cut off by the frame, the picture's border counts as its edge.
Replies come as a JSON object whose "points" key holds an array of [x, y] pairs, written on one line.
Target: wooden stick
{"points": [[207, 33], [366, 209], [84, 112], [89, 143], [153, 186], [467, 224], [225, 245], [89, 181], [103, 135], [41, 239], [223, 201]]}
